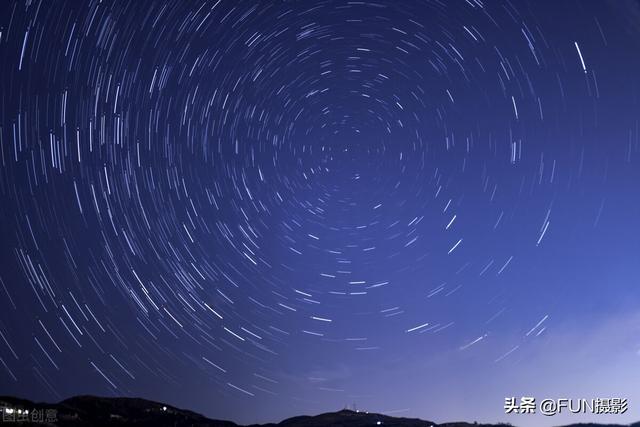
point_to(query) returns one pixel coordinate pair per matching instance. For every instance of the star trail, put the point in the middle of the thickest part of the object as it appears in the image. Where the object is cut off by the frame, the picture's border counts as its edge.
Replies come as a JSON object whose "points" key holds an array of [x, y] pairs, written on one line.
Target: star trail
{"points": [[266, 208]]}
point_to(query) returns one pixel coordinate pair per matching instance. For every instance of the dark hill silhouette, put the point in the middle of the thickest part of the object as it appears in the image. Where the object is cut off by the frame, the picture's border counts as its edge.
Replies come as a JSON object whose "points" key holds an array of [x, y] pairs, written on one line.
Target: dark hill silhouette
{"points": [[91, 411]]}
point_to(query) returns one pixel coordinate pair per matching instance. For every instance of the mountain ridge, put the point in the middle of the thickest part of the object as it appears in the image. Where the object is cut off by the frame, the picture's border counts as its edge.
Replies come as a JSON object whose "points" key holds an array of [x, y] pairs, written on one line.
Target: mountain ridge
{"points": [[87, 410]]}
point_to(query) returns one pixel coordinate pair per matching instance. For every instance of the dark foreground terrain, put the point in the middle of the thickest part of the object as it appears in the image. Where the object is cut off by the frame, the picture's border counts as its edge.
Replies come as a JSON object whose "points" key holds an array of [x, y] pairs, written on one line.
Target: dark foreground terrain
{"points": [[91, 411]]}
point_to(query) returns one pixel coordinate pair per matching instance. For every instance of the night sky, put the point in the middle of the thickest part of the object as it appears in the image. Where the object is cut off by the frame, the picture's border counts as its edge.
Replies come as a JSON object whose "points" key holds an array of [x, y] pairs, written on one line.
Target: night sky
{"points": [[256, 210]]}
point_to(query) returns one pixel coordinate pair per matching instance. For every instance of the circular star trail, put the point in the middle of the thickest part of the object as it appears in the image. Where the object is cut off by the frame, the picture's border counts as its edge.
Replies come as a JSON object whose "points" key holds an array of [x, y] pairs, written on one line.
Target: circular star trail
{"points": [[256, 209]]}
